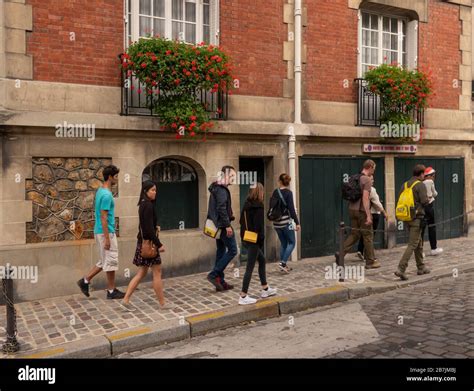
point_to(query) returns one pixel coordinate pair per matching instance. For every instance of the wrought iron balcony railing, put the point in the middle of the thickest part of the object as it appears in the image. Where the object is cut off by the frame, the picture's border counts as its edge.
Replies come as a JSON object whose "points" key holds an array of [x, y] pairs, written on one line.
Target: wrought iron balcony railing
{"points": [[369, 107], [136, 102]]}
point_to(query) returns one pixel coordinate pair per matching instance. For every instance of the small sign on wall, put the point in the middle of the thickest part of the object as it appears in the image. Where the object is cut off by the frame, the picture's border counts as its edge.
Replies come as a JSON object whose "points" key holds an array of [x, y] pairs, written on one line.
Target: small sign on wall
{"points": [[386, 148]]}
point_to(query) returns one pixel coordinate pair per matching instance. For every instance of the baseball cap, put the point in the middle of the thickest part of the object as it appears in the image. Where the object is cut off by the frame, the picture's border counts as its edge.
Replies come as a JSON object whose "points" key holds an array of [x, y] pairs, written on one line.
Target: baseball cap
{"points": [[430, 171]]}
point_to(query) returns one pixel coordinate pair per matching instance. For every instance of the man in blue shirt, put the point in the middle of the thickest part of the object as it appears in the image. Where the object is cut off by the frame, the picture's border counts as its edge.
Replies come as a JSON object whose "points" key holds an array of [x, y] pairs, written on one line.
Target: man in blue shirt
{"points": [[104, 233]]}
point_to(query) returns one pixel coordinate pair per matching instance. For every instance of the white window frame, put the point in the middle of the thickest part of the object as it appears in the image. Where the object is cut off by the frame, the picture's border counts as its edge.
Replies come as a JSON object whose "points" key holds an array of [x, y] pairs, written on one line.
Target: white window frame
{"points": [[411, 39], [132, 16]]}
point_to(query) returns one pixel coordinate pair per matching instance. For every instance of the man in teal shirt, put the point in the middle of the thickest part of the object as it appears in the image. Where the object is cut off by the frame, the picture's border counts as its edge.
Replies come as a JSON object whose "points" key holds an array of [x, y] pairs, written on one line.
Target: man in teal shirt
{"points": [[104, 233]]}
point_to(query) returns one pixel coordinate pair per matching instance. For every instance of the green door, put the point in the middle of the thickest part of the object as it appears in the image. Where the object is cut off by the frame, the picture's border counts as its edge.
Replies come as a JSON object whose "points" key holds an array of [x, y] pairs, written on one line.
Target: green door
{"points": [[450, 187], [177, 197], [321, 203], [249, 165]]}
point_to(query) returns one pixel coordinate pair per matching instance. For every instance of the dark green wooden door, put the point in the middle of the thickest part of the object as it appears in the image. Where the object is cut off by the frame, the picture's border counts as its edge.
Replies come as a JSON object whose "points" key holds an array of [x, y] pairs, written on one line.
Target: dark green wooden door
{"points": [[450, 187], [321, 203], [177, 205]]}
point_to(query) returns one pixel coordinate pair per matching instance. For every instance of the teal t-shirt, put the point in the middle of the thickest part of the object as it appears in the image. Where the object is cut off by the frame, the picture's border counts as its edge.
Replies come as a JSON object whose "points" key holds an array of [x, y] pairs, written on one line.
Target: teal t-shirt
{"points": [[104, 200]]}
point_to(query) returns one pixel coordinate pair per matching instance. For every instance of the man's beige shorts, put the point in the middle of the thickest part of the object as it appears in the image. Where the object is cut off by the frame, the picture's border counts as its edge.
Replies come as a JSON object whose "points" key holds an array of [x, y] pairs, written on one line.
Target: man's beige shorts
{"points": [[108, 259]]}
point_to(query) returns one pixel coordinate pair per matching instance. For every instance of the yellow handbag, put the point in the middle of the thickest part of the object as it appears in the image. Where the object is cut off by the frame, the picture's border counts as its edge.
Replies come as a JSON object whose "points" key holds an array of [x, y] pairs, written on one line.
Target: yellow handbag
{"points": [[210, 229], [249, 236]]}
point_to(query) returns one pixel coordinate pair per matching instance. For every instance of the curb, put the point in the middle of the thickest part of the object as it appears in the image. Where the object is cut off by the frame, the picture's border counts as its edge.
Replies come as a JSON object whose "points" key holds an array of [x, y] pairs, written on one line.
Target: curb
{"points": [[313, 298], [232, 316], [143, 337], [159, 333], [94, 347]]}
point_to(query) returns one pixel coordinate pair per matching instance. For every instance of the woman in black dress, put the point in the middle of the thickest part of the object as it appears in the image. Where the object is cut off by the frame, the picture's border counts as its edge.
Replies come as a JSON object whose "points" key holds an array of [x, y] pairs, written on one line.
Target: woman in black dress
{"points": [[148, 224]]}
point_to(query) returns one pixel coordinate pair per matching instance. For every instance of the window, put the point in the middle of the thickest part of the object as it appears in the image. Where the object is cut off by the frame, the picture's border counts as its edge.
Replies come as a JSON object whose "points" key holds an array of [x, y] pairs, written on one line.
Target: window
{"points": [[189, 21], [385, 39], [177, 199]]}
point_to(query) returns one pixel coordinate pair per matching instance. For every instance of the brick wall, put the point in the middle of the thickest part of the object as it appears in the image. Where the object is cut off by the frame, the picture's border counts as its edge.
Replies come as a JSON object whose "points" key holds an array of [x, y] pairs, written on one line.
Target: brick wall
{"points": [[254, 37], [438, 50], [331, 39], [92, 57]]}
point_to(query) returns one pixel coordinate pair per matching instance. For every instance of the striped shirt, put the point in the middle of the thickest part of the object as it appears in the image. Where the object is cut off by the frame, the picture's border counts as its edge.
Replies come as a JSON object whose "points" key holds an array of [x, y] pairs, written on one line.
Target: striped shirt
{"points": [[290, 214]]}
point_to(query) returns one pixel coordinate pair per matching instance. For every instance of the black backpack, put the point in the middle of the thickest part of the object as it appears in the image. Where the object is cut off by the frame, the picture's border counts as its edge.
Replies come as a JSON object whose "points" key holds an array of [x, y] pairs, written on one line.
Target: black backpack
{"points": [[351, 190], [278, 206]]}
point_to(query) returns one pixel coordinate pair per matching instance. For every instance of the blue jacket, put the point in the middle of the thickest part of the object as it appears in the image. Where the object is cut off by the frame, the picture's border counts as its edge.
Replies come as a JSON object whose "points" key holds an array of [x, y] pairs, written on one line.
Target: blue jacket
{"points": [[220, 206]]}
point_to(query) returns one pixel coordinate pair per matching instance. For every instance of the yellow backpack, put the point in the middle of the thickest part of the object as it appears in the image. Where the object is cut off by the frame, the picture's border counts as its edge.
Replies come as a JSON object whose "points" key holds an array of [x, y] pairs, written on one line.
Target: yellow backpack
{"points": [[406, 203]]}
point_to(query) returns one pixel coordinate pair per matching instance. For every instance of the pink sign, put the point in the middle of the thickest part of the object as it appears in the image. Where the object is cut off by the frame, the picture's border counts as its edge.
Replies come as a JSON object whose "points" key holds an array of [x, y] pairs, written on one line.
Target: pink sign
{"points": [[386, 148]]}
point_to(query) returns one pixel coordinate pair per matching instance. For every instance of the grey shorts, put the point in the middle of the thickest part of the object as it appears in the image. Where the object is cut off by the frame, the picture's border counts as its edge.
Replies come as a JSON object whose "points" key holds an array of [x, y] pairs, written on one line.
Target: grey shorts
{"points": [[108, 259]]}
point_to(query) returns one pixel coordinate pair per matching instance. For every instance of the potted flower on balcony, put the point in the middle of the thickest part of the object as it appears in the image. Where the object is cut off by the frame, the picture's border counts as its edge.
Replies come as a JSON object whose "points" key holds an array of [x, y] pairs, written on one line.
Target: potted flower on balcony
{"points": [[403, 95], [174, 75]]}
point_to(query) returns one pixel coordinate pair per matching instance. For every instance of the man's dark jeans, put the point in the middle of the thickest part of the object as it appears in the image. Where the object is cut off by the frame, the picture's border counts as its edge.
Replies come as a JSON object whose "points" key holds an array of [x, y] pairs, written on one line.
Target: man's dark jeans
{"points": [[223, 257]]}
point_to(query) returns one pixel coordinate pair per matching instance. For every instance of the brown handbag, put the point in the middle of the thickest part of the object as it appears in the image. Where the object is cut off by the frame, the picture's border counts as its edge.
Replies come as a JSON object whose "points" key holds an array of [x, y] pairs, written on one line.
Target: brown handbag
{"points": [[149, 249]]}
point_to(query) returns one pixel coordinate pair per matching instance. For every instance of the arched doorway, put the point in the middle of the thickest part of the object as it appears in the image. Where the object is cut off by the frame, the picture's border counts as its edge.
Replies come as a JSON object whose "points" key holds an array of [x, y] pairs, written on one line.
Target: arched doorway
{"points": [[177, 203]]}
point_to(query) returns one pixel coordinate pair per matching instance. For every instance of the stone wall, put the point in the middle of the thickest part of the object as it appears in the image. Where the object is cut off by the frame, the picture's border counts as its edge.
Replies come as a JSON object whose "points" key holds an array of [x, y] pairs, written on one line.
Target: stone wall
{"points": [[62, 191]]}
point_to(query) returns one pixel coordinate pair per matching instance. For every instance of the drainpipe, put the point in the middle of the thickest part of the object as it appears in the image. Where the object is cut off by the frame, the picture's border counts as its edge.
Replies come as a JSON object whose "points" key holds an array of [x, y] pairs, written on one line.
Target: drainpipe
{"points": [[292, 165], [298, 39], [297, 105]]}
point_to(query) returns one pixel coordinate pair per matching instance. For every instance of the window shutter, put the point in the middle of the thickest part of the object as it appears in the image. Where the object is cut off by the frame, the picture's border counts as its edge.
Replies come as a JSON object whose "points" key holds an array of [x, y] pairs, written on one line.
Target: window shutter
{"points": [[412, 44], [359, 43], [215, 32]]}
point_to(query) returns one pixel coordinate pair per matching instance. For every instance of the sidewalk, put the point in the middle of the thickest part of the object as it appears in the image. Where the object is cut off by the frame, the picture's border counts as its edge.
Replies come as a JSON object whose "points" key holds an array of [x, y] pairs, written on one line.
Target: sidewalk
{"points": [[44, 324]]}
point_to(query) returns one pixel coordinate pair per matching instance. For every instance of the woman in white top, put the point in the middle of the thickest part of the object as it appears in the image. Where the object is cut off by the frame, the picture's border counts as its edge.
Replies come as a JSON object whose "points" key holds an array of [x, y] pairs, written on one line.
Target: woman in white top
{"points": [[429, 211], [376, 208]]}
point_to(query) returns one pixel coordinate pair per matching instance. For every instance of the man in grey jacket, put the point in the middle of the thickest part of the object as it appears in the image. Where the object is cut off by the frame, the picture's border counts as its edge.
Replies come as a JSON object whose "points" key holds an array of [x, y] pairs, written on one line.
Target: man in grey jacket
{"points": [[220, 212], [415, 227]]}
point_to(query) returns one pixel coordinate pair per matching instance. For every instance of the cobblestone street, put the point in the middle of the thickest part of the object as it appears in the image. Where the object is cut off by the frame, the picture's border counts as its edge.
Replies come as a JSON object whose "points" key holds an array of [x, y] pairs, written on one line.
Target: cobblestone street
{"points": [[50, 322], [431, 320]]}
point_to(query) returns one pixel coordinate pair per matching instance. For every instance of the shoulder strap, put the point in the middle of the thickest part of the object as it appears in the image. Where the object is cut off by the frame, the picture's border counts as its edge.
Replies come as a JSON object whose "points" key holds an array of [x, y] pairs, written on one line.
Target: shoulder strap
{"points": [[140, 223], [281, 196], [413, 184]]}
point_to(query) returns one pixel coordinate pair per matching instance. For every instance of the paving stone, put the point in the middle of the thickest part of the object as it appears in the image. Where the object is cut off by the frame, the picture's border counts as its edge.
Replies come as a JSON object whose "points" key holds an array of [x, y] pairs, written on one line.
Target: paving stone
{"points": [[438, 340], [193, 295]]}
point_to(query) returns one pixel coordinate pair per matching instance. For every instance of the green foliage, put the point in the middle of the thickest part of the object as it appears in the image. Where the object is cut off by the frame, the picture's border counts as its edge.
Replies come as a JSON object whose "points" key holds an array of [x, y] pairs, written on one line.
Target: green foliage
{"points": [[184, 115], [178, 70], [401, 91]]}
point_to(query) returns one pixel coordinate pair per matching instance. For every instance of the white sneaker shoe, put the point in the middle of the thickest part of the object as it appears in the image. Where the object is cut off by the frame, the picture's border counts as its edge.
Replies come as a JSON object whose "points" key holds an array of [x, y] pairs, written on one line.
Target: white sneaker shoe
{"points": [[246, 300], [269, 292], [436, 251]]}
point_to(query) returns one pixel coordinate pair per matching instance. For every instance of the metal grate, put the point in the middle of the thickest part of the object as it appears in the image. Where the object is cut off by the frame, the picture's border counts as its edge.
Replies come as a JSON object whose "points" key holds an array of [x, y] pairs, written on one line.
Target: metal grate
{"points": [[135, 101], [369, 107]]}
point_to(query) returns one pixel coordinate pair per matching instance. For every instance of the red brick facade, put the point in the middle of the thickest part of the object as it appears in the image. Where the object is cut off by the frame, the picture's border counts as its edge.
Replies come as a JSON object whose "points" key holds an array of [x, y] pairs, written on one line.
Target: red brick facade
{"points": [[92, 57], [438, 50], [254, 38], [331, 38]]}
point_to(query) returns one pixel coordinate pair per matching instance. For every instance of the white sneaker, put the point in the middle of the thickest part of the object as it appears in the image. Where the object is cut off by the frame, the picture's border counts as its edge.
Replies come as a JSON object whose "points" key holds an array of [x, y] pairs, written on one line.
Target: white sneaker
{"points": [[246, 300], [269, 292], [436, 251]]}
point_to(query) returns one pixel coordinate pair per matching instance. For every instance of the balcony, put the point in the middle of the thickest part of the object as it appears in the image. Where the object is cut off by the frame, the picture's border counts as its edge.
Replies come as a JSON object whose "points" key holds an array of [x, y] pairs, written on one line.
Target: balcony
{"points": [[369, 107], [136, 102]]}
